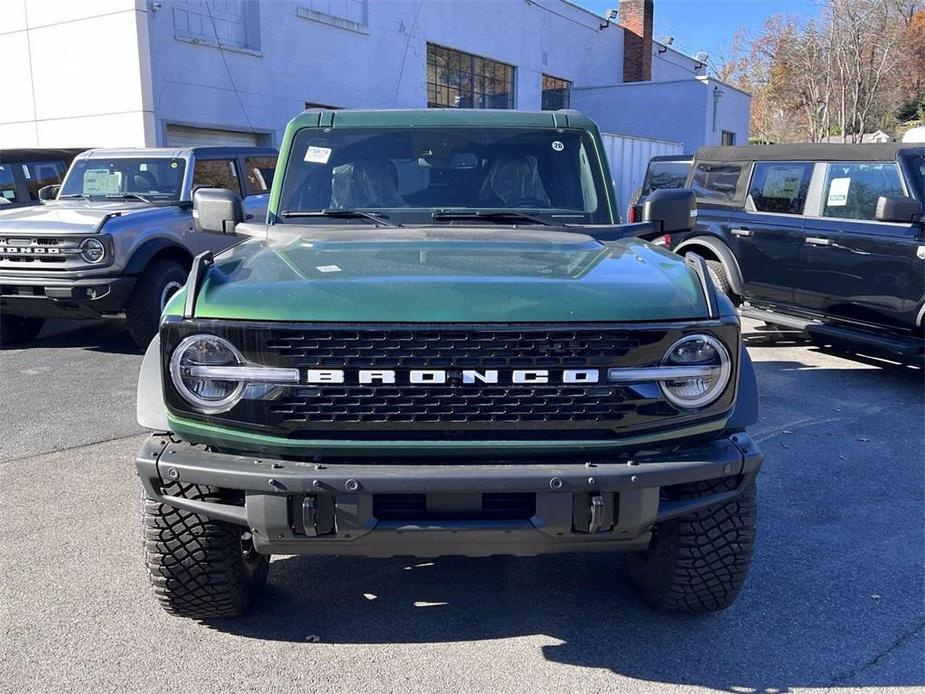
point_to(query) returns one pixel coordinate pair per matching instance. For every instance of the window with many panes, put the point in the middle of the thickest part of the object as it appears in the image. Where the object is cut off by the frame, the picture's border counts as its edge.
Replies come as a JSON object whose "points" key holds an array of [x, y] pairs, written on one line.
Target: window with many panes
{"points": [[462, 80], [557, 93]]}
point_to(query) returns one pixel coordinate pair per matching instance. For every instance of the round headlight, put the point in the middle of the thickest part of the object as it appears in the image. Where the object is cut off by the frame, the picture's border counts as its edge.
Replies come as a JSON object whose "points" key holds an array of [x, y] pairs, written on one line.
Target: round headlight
{"points": [[708, 376], [92, 250], [207, 395]]}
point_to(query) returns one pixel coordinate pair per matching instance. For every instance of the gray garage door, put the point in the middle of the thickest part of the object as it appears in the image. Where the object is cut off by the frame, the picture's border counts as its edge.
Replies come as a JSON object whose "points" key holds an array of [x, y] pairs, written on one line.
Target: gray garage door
{"points": [[183, 136]]}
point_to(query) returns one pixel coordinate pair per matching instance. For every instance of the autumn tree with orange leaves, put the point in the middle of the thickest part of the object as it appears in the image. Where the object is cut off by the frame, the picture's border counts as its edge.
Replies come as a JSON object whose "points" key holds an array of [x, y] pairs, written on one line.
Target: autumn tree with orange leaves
{"points": [[860, 67]]}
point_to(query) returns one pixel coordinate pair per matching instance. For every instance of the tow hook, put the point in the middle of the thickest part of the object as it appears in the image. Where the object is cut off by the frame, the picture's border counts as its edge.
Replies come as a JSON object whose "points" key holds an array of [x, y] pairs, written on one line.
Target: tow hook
{"points": [[597, 514]]}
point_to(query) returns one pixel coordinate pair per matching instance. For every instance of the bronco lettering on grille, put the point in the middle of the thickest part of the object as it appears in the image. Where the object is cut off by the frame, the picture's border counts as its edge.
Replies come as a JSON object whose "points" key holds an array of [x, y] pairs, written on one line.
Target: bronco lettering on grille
{"points": [[442, 376]]}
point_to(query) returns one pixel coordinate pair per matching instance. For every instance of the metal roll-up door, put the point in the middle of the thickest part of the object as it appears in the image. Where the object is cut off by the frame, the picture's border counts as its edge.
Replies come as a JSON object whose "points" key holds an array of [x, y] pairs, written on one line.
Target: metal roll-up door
{"points": [[184, 136]]}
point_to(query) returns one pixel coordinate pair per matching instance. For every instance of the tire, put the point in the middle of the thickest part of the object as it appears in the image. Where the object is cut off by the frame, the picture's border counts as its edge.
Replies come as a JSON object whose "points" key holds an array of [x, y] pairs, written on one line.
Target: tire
{"points": [[721, 280], [198, 567], [15, 330], [156, 284], [697, 563]]}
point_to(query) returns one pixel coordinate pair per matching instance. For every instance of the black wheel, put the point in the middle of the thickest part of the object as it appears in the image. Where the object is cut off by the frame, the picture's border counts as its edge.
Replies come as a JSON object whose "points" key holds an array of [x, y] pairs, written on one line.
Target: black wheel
{"points": [[698, 563], [160, 281], [199, 567], [15, 330]]}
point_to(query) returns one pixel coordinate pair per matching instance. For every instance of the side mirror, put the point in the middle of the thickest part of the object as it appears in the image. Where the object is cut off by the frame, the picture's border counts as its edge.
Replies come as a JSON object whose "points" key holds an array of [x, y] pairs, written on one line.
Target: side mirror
{"points": [[49, 192], [674, 209], [898, 209], [217, 210]]}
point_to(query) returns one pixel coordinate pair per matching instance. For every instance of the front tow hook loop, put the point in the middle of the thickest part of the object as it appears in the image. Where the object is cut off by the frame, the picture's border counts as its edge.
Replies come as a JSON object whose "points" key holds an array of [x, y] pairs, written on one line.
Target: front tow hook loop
{"points": [[597, 514], [309, 516]]}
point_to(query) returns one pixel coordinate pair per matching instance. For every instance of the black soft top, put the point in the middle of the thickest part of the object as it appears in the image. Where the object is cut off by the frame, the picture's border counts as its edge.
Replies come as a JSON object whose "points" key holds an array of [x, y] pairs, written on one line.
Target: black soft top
{"points": [[807, 152], [33, 154]]}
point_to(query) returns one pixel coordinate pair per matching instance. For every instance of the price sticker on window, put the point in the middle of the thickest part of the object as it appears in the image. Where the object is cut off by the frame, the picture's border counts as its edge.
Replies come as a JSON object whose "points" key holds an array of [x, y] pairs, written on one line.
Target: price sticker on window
{"points": [[838, 192], [318, 155]]}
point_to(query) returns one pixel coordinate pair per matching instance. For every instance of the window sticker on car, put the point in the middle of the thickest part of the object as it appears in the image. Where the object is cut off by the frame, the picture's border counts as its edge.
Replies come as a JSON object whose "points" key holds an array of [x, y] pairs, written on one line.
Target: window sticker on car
{"points": [[558, 146], [318, 155], [838, 192], [102, 181], [26, 172]]}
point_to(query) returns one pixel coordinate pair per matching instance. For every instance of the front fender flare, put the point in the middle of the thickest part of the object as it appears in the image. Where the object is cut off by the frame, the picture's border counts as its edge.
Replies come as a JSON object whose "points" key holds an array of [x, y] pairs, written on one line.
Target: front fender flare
{"points": [[147, 250], [149, 407]]}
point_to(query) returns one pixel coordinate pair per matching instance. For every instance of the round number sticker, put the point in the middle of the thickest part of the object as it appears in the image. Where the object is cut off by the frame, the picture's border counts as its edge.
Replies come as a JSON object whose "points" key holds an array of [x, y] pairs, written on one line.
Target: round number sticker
{"points": [[558, 146]]}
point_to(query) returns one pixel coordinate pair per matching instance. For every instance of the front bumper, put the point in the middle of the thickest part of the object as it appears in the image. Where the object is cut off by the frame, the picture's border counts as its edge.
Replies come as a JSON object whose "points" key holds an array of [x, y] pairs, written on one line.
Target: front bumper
{"points": [[334, 508], [52, 297]]}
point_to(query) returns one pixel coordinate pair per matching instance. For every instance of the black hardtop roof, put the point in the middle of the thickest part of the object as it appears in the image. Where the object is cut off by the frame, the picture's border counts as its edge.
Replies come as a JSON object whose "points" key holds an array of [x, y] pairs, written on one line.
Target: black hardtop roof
{"points": [[38, 154], [807, 152]]}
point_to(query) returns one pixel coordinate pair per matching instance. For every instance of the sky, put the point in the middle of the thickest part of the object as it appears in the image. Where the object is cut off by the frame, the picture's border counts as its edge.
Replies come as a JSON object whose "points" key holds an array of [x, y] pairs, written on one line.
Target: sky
{"points": [[707, 25]]}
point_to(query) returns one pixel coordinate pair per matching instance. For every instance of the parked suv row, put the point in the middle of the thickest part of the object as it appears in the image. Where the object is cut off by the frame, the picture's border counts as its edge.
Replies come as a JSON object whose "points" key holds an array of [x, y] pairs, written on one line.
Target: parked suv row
{"points": [[119, 234], [825, 238]]}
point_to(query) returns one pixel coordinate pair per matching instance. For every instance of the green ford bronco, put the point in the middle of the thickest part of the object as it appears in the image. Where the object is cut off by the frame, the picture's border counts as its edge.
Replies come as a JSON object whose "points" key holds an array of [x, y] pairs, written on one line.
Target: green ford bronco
{"points": [[444, 343]]}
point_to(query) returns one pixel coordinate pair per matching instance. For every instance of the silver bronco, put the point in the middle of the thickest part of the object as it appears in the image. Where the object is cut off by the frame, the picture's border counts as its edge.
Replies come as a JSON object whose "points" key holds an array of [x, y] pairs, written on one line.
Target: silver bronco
{"points": [[119, 235]]}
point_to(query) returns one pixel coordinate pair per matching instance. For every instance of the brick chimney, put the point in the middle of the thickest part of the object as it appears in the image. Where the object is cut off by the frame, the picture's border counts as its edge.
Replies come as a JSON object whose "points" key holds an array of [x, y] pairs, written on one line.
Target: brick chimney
{"points": [[636, 19]]}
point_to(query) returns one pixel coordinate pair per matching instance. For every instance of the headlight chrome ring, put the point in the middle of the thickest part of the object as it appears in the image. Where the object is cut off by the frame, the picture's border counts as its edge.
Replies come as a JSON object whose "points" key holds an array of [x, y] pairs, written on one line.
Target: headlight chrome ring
{"points": [[92, 250], [206, 395], [702, 352]]}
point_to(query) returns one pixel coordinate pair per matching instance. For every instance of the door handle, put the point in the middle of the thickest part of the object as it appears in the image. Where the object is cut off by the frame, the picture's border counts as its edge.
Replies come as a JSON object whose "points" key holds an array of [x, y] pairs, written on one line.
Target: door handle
{"points": [[817, 241], [743, 232]]}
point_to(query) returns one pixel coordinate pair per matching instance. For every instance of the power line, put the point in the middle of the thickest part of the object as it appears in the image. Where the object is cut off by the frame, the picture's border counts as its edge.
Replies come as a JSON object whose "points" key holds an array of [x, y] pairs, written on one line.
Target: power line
{"points": [[221, 51]]}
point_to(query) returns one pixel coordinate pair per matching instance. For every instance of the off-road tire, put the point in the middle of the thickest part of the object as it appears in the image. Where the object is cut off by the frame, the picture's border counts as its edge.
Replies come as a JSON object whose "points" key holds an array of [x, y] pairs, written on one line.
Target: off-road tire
{"points": [[199, 567], [15, 330], [143, 311], [697, 563], [721, 280]]}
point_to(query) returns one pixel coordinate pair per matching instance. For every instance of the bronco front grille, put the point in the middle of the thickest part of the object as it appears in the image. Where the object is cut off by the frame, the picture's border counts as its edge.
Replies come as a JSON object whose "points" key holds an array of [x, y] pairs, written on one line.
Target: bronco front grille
{"points": [[482, 410]]}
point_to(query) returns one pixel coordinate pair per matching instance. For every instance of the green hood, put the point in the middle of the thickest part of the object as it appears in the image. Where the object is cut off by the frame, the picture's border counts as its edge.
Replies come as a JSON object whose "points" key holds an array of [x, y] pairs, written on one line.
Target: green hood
{"points": [[349, 273]]}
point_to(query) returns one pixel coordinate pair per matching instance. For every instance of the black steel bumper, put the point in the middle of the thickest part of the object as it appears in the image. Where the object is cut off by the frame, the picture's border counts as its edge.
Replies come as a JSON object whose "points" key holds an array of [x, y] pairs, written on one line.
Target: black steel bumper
{"points": [[307, 508], [45, 297]]}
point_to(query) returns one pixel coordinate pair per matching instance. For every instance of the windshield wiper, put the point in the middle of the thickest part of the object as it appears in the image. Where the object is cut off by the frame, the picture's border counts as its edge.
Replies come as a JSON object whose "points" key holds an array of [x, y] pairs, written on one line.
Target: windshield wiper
{"points": [[124, 196], [82, 196], [497, 216], [376, 217]]}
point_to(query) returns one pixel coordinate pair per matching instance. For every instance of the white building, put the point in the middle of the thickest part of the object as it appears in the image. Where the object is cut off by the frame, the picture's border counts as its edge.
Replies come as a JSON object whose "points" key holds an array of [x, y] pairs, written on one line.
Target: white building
{"points": [[139, 72]]}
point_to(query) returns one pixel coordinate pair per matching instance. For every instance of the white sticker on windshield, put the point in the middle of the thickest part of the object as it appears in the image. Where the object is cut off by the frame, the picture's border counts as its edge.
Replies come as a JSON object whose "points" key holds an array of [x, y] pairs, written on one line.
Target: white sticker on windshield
{"points": [[25, 171], [558, 146], [838, 192], [318, 155], [327, 268]]}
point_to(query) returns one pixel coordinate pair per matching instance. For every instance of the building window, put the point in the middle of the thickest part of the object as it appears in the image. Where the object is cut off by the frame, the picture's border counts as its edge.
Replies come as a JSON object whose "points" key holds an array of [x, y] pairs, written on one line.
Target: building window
{"points": [[352, 15], [557, 93], [228, 24], [729, 138], [462, 80]]}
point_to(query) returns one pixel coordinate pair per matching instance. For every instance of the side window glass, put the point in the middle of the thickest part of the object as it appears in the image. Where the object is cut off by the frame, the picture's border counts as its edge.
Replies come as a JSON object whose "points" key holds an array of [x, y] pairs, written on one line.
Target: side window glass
{"points": [[218, 173], [716, 182], [851, 190], [258, 174], [7, 185], [39, 174], [780, 188]]}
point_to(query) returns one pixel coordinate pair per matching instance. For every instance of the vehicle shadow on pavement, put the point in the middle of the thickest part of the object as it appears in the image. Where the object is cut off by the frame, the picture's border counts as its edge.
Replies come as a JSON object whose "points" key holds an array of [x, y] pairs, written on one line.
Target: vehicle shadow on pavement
{"points": [[764, 336], [833, 599], [106, 335]]}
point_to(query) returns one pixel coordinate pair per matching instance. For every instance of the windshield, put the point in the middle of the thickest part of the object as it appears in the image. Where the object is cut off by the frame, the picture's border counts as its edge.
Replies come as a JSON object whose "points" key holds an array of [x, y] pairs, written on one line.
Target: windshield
{"points": [[408, 174], [151, 178], [666, 174]]}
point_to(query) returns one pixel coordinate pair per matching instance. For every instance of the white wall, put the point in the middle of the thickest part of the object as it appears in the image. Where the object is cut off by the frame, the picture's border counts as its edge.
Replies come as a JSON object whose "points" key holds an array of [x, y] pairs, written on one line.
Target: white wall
{"points": [[76, 74], [629, 158], [668, 65], [679, 111], [301, 55]]}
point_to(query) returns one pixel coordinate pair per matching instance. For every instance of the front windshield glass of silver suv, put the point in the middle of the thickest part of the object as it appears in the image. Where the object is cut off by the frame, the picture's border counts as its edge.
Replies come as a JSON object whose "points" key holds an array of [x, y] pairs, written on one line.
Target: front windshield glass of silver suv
{"points": [[158, 178], [419, 175]]}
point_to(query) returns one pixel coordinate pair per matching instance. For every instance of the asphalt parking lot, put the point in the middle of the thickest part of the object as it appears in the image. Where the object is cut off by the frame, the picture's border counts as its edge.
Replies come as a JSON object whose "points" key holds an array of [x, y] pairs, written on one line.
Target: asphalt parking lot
{"points": [[834, 600]]}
